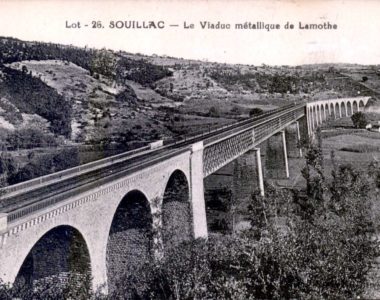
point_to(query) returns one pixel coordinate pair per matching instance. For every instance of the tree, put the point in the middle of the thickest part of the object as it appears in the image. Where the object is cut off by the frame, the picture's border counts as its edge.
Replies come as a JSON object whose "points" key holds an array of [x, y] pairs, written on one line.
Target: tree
{"points": [[313, 172], [374, 173], [235, 110], [359, 120], [7, 168], [214, 112], [255, 111], [104, 63]]}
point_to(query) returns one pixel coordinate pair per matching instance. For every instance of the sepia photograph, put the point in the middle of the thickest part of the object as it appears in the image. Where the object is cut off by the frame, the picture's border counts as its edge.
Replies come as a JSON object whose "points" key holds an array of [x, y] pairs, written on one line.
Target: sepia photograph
{"points": [[188, 150]]}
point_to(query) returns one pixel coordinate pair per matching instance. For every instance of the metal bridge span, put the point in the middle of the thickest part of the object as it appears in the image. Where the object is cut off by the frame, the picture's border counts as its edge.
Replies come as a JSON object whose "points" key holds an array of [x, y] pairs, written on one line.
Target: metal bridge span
{"points": [[102, 210]]}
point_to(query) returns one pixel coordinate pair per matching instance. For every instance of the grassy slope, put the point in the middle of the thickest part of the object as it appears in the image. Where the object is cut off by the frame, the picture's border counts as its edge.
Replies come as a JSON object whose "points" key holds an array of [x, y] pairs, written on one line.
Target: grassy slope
{"points": [[95, 108]]}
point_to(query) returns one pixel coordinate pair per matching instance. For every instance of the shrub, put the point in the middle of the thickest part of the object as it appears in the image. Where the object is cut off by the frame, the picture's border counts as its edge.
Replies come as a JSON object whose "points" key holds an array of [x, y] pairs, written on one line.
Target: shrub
{"points": [[359, 120], [31, 95], [255, 111], [28, 138], [43, 165], [73, 287], [214, 112]]}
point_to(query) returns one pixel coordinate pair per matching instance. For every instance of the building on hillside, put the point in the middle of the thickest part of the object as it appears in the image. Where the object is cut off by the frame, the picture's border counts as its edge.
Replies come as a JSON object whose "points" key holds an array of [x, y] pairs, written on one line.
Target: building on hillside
{"points": [[375, 126]]}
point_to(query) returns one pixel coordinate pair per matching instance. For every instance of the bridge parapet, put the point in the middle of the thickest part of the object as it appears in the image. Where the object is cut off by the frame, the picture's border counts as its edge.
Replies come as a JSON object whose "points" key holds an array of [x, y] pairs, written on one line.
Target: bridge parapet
{"points": [[225, 149], [46, 179], [271, 126], [222, 152]]}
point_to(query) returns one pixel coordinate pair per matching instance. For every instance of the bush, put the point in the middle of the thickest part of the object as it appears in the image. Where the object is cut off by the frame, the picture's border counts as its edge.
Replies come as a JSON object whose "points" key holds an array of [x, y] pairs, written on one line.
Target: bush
{"points": [[140, 71], [214, 112], [255, 111], [28, 138], [43, 165], [73, 287], [30, 95], [359, 120], [128, 95]]}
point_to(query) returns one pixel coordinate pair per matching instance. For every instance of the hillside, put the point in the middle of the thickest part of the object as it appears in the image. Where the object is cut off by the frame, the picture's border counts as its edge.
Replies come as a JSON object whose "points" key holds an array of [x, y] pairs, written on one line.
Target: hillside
{"points": [[70, 95]]}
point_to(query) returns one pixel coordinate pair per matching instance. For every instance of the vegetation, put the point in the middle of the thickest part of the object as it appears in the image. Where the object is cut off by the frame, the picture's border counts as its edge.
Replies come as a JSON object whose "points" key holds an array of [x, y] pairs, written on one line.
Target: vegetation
{"points": [[308, 244], [28, 138], [140, 71], [317, 245], [74, 286], [7, 168], [102, 62], [255, 111], [38, 165], [359, 120], [31, 95], [272, 83], [128, 95], [214, 112]]}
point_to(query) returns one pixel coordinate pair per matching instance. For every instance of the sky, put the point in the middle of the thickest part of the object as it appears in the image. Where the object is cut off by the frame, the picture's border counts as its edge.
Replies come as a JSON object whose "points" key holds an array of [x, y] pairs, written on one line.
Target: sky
{"points": [[356, 39]]}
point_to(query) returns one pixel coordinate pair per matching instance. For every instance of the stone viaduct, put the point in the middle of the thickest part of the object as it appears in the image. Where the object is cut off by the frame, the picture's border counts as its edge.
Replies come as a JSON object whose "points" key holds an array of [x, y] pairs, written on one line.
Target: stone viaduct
{"points": [[98, 217]]}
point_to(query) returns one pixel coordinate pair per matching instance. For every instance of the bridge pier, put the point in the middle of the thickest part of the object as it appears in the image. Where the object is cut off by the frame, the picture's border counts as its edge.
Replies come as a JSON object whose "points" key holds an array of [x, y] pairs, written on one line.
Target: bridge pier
{"points": [[276, 160], [197, 192], [293, 138], [247, 178], [229, 191], [219, 198], [304, 128]]}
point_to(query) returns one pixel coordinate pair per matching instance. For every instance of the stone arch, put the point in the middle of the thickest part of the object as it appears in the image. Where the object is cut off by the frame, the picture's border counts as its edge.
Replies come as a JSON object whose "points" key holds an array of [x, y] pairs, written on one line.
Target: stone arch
{"points": [[176, 210], [349, 108], [327, 112], [361, 105], [61, 253], [337, 110], [343, 109], [130, 239], [355, 107]]}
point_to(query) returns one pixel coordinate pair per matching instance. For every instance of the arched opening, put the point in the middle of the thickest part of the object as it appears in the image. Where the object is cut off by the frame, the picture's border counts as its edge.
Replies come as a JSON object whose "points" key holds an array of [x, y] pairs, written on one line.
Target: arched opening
{"points": [[130, 243], [315, 118], [361, 105], [327, 113], [59, 259], [176, 213], [332, 111], [318, 115], [343, 109], [322, 112], [349, 109], [337, 110], [355, 107], [310, 116]]}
